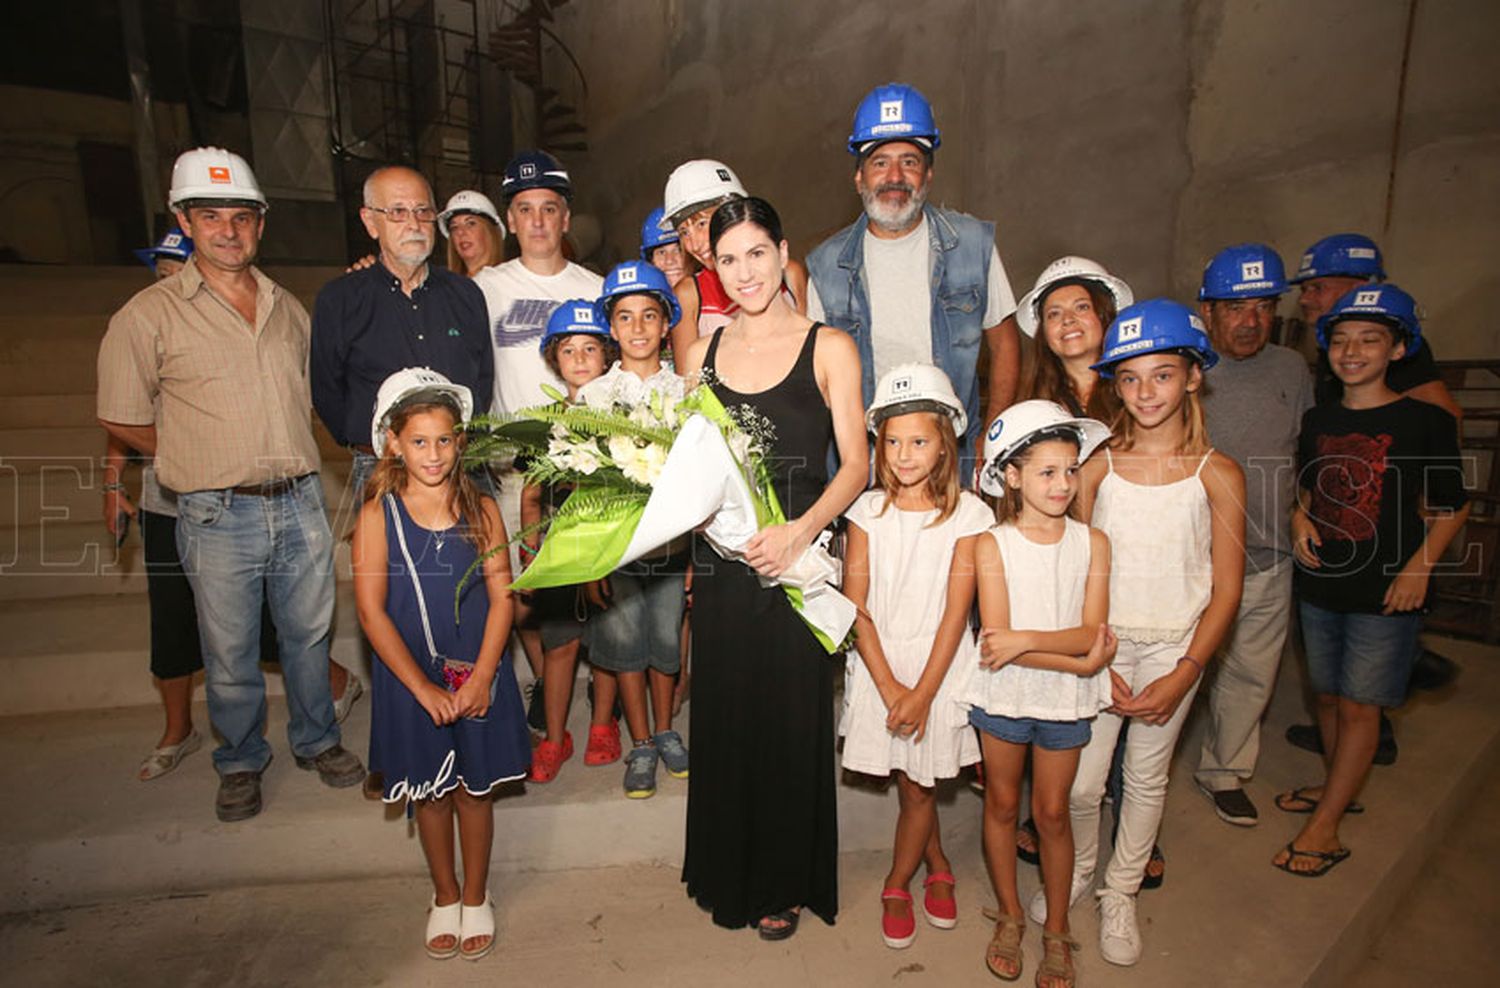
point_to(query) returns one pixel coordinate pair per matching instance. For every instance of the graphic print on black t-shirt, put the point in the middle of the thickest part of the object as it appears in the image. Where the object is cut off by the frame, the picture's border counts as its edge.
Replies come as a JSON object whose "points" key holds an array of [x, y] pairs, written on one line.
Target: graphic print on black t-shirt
{"points": [[1350, 482], [524, 322]]}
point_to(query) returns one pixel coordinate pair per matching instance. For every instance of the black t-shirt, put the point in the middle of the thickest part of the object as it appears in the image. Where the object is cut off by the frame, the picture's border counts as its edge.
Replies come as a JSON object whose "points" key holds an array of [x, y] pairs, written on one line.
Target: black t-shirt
{"points": [[1369, 471], [1400, 376]]}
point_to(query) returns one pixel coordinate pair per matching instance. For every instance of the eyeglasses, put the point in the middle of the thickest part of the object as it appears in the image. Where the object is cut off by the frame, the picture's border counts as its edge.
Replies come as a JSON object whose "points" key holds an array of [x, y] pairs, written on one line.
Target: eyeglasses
{"points": [[400, 214]]}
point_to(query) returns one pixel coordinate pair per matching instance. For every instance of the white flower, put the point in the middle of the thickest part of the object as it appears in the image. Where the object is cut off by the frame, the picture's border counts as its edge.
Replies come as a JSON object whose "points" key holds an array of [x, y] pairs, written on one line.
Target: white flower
{"points": [[646, 466], [622, 450], [739, 446], [580, 456]]}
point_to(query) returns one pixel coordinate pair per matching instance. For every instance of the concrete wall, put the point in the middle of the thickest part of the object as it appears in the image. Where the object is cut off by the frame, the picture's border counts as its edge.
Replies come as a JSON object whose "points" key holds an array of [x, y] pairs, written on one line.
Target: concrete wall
{"points": [[1146, 134]]}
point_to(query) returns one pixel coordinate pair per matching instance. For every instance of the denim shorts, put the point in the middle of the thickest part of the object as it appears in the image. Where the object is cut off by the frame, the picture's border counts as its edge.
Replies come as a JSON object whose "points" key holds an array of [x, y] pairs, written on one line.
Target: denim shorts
{"points": [[1366, 658], [1053, 735], [642, 627]]}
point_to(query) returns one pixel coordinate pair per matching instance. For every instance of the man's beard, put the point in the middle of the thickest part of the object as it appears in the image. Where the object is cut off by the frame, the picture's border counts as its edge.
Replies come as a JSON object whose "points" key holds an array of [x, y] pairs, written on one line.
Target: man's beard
{"points": [[412, 250], [894, 219]]}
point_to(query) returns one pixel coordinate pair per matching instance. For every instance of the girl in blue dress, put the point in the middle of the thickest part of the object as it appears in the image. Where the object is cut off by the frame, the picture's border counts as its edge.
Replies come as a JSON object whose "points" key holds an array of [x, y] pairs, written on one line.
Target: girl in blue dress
{"points": [[447, 721]]}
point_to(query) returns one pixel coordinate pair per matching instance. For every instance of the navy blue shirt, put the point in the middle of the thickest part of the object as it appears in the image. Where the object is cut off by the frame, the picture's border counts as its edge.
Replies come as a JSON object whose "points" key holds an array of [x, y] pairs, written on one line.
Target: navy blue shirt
{"points": [[365, 328]]}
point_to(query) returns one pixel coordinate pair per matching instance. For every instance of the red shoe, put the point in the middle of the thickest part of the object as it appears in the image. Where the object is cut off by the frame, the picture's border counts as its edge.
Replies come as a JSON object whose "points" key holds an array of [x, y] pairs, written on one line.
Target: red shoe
{"points": [[898, 931], [942, 913], [548, 758], [604, 744]]}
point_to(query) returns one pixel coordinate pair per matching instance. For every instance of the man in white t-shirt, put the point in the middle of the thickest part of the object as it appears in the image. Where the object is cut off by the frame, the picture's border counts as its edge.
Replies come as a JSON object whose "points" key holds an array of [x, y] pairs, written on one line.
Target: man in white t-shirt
{"points": [[520, 296], [913, 282]]}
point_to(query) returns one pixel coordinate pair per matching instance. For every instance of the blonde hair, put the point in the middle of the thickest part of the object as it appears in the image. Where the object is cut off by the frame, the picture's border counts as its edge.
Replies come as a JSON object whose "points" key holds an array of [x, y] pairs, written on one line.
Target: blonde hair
{"points": [[494, 253], [942, 482], [464, 497], [1194, 424]]}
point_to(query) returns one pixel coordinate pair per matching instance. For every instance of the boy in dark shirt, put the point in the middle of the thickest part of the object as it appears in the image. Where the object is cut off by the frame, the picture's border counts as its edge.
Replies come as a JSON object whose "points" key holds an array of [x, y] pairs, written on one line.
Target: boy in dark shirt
{"points": [[1371, 464]]}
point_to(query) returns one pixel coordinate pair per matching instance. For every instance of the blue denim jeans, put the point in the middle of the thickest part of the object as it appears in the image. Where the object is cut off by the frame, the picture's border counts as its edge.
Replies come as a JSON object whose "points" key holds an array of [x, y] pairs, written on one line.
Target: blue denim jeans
{"points": [[1366, 658], [237, 550]]}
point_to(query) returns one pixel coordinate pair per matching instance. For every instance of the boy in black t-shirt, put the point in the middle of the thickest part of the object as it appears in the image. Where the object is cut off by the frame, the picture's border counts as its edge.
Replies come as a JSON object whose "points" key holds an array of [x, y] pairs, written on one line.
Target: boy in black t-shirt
{"points": [[1371, 465]]}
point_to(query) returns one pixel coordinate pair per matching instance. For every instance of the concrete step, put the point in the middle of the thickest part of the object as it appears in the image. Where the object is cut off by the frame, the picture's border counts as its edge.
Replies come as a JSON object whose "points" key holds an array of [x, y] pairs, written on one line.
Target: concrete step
{"points": [[46, 376], [587, 881], [50, 411]]}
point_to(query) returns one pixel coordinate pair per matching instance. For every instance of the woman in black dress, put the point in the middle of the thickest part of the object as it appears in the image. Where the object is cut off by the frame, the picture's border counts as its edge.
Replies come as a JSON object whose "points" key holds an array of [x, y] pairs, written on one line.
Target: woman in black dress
{"points": [[762, 827]]}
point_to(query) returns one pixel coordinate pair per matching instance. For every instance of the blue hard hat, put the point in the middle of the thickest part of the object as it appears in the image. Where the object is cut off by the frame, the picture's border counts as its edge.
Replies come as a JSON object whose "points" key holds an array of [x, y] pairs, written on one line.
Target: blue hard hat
{"points": [[534, 170], [1243, 271], [575, 316], [176, 246], [655, 233], [1153, 326], [893, 112], [637, 278], [1376, 303], [1349, 255]]}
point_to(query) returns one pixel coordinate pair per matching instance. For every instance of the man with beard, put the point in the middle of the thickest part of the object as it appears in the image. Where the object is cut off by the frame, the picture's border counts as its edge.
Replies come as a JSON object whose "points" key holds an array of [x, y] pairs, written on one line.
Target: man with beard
{"points": [[912, 282], [399, 312], [1254, 411]]}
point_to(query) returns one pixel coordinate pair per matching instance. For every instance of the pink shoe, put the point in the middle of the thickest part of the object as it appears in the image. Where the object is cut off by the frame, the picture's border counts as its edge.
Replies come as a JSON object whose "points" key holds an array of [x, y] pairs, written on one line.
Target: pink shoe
{"points": [[604, 744], [548, 758], [898, 931], [942, 913]]}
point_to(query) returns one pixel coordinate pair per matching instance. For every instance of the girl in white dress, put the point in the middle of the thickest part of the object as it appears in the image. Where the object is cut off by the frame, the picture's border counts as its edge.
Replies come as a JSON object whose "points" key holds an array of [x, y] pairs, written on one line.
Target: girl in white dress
{"points": [[909, 568], [1043, 602]]}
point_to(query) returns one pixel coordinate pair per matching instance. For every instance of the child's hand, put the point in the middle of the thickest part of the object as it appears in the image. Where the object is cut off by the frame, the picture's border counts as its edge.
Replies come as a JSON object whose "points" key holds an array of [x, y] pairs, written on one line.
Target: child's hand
{"points": [[1408, 589], [473, 697], [680, 691], [1102, 652], [438, 703], [1119, 693], [598, 593], [891, 694], [1158, 701], [908, 716], [998, 647], [1304, 539]]}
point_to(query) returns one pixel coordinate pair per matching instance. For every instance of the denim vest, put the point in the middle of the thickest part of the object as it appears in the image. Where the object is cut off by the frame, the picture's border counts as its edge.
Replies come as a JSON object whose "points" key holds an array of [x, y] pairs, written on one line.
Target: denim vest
{"points": [[961, 247]]}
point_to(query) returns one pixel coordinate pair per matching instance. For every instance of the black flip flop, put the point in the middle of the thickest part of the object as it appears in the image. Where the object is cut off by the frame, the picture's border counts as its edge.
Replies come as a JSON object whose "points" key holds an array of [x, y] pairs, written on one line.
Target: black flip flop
{"points": [[787, 916], [1300, 795], [1329, 859]]}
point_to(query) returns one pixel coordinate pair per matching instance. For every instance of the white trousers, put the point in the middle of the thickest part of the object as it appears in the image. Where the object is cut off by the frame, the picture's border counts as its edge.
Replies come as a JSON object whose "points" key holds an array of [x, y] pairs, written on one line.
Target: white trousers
{"points": [[1245, 679], [1148, 759]]}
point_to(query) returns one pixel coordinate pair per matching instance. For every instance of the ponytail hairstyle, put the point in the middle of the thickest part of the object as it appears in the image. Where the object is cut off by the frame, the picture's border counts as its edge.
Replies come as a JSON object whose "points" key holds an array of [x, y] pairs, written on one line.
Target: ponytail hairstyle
{"points": [[942, 482], [464, 498], [1008, 506]]}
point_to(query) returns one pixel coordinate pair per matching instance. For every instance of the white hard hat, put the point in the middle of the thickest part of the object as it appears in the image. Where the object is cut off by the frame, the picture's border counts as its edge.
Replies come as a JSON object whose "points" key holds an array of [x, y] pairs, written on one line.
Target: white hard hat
{"points": [[213, 173], [694, 185], [469, 201], [408, 383], [915, 388], [1019, 424], [1068, 269]]}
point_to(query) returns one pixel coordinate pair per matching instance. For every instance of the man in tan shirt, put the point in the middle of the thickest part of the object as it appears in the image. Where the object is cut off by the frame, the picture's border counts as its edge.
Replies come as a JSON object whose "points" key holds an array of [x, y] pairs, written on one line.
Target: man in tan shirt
{"points": [[207, 370]]}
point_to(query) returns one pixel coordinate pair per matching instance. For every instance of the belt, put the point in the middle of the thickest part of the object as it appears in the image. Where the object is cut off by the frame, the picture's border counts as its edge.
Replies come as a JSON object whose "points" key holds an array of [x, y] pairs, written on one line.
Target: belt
{"points": [[272, 488]]}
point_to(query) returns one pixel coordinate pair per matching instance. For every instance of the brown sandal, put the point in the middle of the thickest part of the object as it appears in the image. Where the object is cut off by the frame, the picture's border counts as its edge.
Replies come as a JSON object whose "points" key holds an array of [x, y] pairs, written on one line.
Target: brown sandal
{"points": [[1057, 958], [1003, 957]]}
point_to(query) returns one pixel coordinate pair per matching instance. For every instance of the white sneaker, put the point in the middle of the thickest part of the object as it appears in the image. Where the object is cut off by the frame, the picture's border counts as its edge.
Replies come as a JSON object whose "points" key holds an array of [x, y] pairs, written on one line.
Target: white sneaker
{"points": [[1119, 936], [353, 689], [1037, 907]]}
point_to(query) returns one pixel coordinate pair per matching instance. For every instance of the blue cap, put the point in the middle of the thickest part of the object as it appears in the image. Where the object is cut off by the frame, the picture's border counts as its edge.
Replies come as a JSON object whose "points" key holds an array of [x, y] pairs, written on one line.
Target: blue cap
{"points": [[1243, 271], [655, 233], [893, 112], [1348, 255], [175, 246], [637, 278], [575, 316], [1153, 326], [534, 170], [1376, 303]]}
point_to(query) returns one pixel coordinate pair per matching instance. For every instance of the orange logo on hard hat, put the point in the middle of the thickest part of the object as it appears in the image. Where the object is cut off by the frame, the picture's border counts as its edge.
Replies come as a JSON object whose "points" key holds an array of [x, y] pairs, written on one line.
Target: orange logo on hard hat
{"points": [[219, 174]]}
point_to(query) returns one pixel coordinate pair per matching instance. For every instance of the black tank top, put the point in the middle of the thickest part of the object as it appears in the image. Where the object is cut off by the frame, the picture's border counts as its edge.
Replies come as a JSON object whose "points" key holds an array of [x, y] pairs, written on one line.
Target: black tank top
{"points": [[804, 426]]}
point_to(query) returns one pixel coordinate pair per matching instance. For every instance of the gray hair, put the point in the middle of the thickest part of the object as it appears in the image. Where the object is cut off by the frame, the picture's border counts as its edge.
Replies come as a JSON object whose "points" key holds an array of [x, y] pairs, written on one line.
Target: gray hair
{"points": [[367, 193]]}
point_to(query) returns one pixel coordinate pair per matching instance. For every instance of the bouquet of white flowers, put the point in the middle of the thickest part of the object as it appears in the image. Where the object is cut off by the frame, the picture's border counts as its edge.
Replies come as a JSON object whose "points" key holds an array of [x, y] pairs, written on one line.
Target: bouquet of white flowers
{"points": [[647, 464]]}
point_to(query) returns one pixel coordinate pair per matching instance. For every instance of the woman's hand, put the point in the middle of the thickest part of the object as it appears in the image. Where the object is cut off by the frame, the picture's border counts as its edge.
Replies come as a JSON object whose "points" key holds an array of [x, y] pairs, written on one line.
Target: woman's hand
{"points": [[1102, 652], [1158, 701], [438, 703], [1305, 539], [908, 715], [1000, 646], [1119, 693], [1409, 589], [773, 549], [473, 698]]}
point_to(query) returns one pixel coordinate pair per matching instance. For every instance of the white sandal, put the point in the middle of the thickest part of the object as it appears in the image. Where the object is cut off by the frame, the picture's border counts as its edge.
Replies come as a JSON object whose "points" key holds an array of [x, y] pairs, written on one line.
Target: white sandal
{"points": [[162, 760], [478, 921], [444, 921]]}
